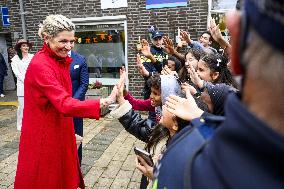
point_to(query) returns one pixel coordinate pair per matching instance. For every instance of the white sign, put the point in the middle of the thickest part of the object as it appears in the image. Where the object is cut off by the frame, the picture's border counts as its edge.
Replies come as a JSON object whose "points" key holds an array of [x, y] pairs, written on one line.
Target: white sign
{"points": [[111, 4]]}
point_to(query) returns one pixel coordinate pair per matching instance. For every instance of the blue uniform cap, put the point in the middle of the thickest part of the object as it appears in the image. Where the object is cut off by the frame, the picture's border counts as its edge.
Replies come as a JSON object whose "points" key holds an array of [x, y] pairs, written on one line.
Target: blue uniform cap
{"points": [[156, 34], [267, 18]]}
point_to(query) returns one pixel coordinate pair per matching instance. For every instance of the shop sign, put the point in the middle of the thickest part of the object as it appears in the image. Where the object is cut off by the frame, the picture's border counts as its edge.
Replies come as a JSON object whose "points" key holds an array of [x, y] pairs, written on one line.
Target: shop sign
{"points": [[111, 4], [97, 38], [150, 4]]}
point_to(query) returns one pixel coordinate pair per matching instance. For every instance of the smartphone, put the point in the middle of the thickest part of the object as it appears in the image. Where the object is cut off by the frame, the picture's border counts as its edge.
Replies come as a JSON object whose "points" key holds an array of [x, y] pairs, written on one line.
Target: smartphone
{"points": [[145, 155]]}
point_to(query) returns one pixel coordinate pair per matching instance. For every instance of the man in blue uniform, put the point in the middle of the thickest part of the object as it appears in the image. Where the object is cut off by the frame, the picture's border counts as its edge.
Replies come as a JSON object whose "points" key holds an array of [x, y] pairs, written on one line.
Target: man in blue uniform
{"points": [[3, 73], [247, 150]]}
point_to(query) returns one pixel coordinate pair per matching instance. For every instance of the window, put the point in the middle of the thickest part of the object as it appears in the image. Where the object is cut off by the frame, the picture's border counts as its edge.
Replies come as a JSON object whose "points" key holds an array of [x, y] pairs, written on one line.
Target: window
{"points": [[104, 47], [223, 4], [217, 10]]}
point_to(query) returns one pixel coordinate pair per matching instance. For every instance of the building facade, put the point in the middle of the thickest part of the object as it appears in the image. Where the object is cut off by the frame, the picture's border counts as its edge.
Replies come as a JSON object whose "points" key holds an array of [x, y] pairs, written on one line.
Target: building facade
{"points": [[106, 34]]}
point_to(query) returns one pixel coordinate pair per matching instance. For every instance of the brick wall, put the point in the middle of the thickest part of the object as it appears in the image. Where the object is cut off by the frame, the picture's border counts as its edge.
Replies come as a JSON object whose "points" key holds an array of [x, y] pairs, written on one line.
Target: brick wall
{"points": [[192, 18]]}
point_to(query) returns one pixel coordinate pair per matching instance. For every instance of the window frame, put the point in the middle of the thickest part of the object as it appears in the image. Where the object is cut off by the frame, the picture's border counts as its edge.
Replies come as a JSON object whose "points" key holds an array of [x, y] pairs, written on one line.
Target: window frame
{"points": [[122, 19]]}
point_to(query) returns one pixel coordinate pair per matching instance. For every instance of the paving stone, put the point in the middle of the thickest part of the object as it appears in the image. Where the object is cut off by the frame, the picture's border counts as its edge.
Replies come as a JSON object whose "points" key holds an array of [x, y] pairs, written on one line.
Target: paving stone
{"points": [[122, 153], [14, 144], [103, 182], [136, 177], [129, 163], [134, 185], [92, 176], [6, 152], [108, 158], [85, 169], [112, 170]]}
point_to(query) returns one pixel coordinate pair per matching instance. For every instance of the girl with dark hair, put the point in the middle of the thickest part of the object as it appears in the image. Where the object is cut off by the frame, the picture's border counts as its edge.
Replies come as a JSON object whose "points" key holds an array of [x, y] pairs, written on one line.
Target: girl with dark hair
{"points": [[192, 56], [212, 68], [174, 64]]}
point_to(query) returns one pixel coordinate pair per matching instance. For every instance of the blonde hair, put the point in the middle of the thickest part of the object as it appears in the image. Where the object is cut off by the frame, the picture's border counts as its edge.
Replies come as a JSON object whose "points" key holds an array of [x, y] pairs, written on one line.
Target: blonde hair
{"points": [[54, 24]]}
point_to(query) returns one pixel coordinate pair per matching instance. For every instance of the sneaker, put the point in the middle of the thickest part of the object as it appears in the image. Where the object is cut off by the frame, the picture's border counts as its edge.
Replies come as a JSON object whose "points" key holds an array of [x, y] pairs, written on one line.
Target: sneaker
{"points": [[2, 95]]}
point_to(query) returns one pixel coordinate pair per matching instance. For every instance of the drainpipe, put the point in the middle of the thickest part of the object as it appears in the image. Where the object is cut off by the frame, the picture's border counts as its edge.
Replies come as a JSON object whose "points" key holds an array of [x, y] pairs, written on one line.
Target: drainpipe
{"points": [[22, 13]]}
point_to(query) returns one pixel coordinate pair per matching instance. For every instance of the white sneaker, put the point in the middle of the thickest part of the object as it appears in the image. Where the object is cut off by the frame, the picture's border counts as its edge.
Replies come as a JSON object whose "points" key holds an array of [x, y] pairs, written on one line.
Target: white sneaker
{"points": [[2, 95]]}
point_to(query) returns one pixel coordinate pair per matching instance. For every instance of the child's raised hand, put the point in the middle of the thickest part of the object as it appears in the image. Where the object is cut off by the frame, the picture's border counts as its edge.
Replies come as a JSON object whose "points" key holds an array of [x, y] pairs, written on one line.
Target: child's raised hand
{"points": [[185, 108], [188, 89], [194, 76]]}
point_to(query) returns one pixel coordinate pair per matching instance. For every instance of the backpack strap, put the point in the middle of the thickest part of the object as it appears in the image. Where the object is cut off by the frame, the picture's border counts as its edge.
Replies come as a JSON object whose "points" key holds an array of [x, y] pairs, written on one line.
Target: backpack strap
{"points": [[188, 167]]}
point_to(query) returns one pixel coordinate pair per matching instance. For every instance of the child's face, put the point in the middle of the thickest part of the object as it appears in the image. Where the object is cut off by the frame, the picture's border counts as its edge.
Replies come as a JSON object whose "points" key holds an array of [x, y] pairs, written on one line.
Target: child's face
{"points": [[171, 65], [155, 97], [167, 120], [190, 59], [203, 71]]}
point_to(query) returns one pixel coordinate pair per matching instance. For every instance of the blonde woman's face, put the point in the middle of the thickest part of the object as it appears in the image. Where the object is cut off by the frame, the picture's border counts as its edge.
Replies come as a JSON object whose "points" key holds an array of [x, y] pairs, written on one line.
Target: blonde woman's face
{"points": [[62, 43]]}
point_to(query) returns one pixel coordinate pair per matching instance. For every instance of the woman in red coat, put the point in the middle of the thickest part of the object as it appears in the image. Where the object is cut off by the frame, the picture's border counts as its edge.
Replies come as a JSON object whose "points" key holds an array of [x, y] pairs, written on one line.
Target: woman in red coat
{"points": [[47, 152]]}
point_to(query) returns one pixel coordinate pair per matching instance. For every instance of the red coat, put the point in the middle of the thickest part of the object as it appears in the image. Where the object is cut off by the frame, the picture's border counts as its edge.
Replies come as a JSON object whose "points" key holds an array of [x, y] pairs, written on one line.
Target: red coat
{"points": [[48, 157]]}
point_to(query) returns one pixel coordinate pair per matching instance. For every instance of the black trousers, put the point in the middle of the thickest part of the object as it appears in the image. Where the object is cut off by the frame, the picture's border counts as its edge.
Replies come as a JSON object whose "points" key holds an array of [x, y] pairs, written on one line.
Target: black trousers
{"points": [[78, 126]]}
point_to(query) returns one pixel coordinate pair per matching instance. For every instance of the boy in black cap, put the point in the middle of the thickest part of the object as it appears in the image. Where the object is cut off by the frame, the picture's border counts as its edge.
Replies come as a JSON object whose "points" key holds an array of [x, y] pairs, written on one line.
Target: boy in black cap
{"points": [[154, 58], [248, 149]]}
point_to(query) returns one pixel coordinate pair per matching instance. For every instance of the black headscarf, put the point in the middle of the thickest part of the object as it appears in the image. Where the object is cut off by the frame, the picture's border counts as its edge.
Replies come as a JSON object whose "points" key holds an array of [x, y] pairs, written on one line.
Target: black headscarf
{"points": [[218, 94]]}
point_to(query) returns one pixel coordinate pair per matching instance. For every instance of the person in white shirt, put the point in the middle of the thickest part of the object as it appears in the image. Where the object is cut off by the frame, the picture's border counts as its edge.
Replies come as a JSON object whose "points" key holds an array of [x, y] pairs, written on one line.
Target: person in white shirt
{"points": [[19, 65]]}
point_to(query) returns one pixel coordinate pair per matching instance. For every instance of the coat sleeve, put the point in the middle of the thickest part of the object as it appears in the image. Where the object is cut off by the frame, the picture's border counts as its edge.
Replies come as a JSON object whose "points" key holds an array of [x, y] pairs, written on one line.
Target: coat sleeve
{"points": [[44, 78], [133, 123], [17, 70], [84, 81], [141, 105]]}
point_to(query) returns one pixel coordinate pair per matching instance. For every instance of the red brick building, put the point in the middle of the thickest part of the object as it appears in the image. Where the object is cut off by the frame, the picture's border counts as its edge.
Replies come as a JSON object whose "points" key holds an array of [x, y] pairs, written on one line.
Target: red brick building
{"points": [[107, 36]]}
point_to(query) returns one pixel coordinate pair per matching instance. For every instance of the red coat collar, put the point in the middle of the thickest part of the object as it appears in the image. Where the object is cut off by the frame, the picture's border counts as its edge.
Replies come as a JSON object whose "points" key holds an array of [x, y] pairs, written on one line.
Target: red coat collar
{"points": [[47, 49]]}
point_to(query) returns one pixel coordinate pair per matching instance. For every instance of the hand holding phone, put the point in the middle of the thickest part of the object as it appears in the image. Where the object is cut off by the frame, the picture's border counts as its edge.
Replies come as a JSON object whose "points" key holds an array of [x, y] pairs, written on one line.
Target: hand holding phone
{"points": [[145, 155]]}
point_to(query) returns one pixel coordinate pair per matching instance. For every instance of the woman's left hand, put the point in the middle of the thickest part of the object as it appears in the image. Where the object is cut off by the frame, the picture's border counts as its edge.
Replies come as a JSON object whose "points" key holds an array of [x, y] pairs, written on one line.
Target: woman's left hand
{"points": [[144, 167]]}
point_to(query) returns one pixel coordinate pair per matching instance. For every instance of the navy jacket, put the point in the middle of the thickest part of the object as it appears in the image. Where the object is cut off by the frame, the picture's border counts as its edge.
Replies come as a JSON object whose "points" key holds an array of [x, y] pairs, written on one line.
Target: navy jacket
{"points": [[3, 66], [244, 153], [79, 76]]}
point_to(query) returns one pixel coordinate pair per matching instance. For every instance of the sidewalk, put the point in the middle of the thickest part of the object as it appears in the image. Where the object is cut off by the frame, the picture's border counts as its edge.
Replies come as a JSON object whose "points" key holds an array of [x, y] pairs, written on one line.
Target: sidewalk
{"points": [[10, 99], [108, 157]]}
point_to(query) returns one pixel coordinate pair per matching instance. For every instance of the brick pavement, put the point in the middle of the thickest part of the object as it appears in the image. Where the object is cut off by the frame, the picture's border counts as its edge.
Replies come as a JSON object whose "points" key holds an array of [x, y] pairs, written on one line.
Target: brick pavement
{"points": [[108, 158]]}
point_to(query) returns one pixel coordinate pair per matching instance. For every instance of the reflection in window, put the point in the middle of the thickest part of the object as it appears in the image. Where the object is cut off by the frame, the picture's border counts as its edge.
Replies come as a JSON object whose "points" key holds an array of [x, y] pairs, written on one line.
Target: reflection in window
{"points": [[103, 49]]}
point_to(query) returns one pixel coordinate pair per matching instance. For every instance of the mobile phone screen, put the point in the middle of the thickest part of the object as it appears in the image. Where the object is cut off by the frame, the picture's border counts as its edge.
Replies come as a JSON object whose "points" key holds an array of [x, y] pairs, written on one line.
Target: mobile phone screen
{"points": [[145, 155]]}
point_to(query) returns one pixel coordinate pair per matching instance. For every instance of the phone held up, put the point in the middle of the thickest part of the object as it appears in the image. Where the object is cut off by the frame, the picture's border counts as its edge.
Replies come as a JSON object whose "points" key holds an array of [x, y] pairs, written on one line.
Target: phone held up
{"points": [[145, 155]]}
